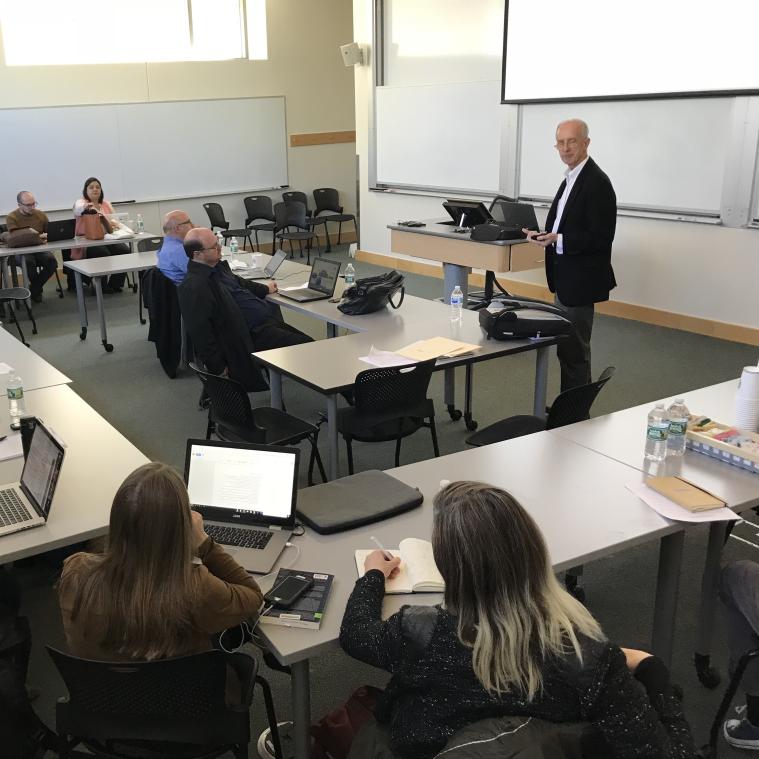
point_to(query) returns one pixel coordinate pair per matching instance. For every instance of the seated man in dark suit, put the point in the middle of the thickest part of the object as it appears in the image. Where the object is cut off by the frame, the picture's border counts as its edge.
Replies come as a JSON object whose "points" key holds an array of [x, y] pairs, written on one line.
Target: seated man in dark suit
{"points": [[226, 315]]}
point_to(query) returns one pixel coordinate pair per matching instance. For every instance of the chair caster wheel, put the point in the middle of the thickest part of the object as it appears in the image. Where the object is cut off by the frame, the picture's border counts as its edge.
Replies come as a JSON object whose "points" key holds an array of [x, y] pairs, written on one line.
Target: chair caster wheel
{"points": [[454, 413], [707, 675], [471, 424], [108, 347], [83, 334]]}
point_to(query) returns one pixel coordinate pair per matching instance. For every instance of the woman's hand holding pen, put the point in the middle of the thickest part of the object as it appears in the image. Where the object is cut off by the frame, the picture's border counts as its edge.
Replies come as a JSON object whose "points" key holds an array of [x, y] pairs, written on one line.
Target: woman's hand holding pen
{"points": [[378, 560]]}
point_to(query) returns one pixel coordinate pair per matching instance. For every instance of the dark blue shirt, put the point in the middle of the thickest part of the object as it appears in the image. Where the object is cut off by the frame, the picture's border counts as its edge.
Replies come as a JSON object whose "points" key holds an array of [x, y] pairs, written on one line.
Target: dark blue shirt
{"points": [[255, 310]]}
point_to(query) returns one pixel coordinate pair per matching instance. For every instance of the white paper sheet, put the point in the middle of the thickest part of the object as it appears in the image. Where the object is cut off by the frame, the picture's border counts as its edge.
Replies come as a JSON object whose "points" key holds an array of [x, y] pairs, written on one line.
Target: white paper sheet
{"points": [[670, 510], [10, 448], [234, 264], [293, 287], [379, 357]]}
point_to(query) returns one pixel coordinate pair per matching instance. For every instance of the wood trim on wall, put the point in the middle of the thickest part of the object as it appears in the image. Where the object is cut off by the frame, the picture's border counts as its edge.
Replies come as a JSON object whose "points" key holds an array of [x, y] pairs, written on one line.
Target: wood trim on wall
{"points": [[321, 138], [723, 330]]}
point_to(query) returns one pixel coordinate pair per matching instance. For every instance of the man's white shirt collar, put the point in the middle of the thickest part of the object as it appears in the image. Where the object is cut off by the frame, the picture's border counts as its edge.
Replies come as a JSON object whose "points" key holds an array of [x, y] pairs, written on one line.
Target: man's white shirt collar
{"points": [[571, 174]]}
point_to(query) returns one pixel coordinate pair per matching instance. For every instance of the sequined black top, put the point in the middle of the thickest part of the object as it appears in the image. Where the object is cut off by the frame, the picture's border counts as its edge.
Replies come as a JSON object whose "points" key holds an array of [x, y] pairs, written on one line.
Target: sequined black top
{"points": [[434, 692]]}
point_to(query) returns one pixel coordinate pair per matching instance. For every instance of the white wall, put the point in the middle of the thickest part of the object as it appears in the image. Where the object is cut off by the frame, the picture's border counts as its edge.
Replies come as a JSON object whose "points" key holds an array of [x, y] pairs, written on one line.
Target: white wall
{"points": [[304, 65], [699, 270]]}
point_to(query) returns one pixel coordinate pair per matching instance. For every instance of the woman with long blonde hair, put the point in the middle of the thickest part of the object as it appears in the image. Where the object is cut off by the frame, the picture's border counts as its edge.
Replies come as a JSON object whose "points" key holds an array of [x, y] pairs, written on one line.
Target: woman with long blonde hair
{"points": [[509, 640], [162, 587]]}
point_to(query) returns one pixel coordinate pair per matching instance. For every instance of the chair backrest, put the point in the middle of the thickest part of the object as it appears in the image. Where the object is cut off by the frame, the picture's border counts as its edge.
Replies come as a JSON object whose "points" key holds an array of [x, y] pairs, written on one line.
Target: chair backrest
{"points": [[152, 243], [230, 407], [216, 215], [291, 213], [327, 199], [573, 405], [384, 389], [258, 207], [296, 195], [185, 686]]}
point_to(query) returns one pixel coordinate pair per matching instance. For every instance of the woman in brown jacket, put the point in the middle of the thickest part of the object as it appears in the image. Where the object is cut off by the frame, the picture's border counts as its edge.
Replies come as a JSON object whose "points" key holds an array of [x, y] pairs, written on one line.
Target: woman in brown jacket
{"points": [[162, 587]]}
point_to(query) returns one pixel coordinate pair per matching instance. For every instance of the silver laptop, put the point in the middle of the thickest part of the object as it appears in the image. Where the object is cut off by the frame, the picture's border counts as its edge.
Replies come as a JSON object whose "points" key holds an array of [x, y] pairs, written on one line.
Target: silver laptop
{"points": [[246, 496], [26, 504], [321, 282], [269, 270]]}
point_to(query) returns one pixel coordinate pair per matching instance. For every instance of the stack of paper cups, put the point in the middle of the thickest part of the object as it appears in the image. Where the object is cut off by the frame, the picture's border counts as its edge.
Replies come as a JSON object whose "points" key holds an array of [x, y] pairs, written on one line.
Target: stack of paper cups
{"points": [[747, 400]]}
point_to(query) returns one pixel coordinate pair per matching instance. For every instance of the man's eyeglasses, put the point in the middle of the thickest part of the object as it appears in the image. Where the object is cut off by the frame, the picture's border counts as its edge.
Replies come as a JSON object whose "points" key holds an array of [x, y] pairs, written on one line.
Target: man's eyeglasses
{"points": [[186, 221], [28, 205]]}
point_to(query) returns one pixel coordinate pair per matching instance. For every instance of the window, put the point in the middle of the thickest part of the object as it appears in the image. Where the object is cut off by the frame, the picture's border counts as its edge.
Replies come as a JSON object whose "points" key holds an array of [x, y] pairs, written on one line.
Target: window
{"points": [[53, 32]]}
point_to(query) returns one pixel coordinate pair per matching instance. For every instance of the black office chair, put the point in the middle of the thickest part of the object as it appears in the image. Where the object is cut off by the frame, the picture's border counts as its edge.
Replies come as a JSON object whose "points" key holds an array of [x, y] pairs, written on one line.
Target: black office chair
{"points": [[260, 207], [292, 225], [231, 417], [327, 201], [11, 296], [390, 404], [295, 196], [569, 407], [216, 219], [166, 707]]}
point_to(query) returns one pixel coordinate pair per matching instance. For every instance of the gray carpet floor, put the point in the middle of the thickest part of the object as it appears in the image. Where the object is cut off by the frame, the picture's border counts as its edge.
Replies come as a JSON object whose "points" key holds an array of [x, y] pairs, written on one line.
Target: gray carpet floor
{"points": [[129, 388]]}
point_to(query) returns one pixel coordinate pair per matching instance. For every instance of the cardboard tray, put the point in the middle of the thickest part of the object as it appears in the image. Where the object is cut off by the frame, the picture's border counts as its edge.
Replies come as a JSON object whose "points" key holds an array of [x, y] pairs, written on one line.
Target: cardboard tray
{"points": [[730, 454]]}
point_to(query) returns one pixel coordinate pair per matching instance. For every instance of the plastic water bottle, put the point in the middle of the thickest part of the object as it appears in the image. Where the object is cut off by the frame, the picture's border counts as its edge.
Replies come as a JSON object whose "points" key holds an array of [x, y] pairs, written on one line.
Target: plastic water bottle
{"points": [[220, 238], [677, 415], [140, 223], [16, 403], [234, 246], [350, 275], [656, 433], [457, 304]]}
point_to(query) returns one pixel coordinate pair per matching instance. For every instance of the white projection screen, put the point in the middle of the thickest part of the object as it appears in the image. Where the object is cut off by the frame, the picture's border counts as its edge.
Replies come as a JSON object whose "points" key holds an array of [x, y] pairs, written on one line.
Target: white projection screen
{"points": [[594, 49]]}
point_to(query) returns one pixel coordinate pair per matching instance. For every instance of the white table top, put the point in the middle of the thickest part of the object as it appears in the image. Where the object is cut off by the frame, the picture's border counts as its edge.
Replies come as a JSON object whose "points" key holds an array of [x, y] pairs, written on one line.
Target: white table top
{"points": [[590, 515], [107, 265], [621, 436], [34, 371], [76, 242], [97, 460]]}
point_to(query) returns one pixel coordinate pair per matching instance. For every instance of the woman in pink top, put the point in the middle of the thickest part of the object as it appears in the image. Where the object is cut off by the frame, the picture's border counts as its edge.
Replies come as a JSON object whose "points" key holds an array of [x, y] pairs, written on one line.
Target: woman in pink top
{"points": [[93, 198]]}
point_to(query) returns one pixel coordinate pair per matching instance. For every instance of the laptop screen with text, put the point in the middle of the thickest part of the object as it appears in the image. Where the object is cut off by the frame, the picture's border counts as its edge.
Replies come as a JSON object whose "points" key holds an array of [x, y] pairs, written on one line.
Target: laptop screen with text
{"points": [[41, 469], [249, 482]]}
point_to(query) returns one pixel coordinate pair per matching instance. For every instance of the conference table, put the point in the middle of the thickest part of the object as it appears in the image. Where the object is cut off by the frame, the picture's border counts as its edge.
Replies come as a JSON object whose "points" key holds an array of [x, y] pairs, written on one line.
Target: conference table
{"points": [[621, 436], [100, 268], [97, 459], [577, 497], [34, 371]]}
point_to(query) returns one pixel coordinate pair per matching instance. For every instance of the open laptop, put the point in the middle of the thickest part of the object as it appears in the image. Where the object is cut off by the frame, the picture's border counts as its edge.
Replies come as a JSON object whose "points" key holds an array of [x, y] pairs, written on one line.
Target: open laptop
{"points": [[268, 271], [246, 496], [521, 215], [321, 282], [60, 230], [26, 503]]}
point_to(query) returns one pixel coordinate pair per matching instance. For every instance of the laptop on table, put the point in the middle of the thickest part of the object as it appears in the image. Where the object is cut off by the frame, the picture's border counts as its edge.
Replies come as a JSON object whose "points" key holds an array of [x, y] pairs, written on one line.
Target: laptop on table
{"points": [[26, 503], [321, 282], [268, 271], [60, 230], [521, 215], [246, 495]]}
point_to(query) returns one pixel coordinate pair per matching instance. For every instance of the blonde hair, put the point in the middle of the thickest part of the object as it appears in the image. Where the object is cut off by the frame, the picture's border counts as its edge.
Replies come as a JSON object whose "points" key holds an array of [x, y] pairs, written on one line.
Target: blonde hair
{"points": [[143, 585], [499, 583]]}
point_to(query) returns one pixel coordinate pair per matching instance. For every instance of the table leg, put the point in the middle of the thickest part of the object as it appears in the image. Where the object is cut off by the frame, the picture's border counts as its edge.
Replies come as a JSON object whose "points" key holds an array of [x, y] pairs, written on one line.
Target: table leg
{"points": [[275, 388], [301, 699], [709, 582], [449, 393], [332, 435], [81, 304], [98, 282], [5, 282], [471, 425], [331, 329], [541, 382], [453, 275], [667, 586]]}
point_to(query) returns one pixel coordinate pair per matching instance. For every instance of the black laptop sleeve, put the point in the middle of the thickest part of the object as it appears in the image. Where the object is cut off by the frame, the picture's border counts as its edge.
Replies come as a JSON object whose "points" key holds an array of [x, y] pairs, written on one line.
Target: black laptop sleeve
{"points": [[354, 501]]}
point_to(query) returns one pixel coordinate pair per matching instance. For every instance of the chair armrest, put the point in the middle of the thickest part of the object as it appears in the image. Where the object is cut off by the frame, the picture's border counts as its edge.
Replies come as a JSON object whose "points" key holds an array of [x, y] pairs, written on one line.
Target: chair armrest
{"points": [[245, 665]]}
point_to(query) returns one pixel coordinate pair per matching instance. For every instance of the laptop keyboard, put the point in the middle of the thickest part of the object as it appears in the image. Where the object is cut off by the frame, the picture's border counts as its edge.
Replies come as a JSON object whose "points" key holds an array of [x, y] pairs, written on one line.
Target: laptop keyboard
{"points": [[12, 509], [238, 536]]}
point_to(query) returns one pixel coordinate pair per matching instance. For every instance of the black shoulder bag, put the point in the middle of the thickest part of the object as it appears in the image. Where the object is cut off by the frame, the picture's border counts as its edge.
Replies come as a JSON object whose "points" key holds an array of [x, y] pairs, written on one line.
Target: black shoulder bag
{"points": [[373, 293]]}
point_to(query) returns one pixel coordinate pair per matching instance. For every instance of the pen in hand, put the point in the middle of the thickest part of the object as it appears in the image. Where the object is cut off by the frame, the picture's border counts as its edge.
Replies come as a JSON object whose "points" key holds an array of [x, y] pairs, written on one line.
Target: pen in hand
{"points": [[388, 556]]}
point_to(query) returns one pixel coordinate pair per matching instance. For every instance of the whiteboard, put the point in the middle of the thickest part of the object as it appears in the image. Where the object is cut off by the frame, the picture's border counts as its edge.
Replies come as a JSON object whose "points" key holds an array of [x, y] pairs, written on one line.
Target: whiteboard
{"points": [[439, 135], [144, 151], [659, 154]]}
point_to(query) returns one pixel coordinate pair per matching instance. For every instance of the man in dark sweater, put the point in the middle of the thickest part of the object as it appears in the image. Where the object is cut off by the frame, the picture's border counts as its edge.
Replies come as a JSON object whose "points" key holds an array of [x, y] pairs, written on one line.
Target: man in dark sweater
{"points": [[42, 266], [216, 304]]}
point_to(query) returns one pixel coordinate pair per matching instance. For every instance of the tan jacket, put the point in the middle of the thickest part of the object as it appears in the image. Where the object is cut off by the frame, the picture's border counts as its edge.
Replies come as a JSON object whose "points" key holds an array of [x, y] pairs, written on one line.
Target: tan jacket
{"points": [[228, 595]]}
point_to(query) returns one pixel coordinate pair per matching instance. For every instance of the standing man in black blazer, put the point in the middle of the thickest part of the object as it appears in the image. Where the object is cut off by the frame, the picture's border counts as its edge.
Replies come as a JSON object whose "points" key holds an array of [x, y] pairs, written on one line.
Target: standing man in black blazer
{"points": [[579, 232]]}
